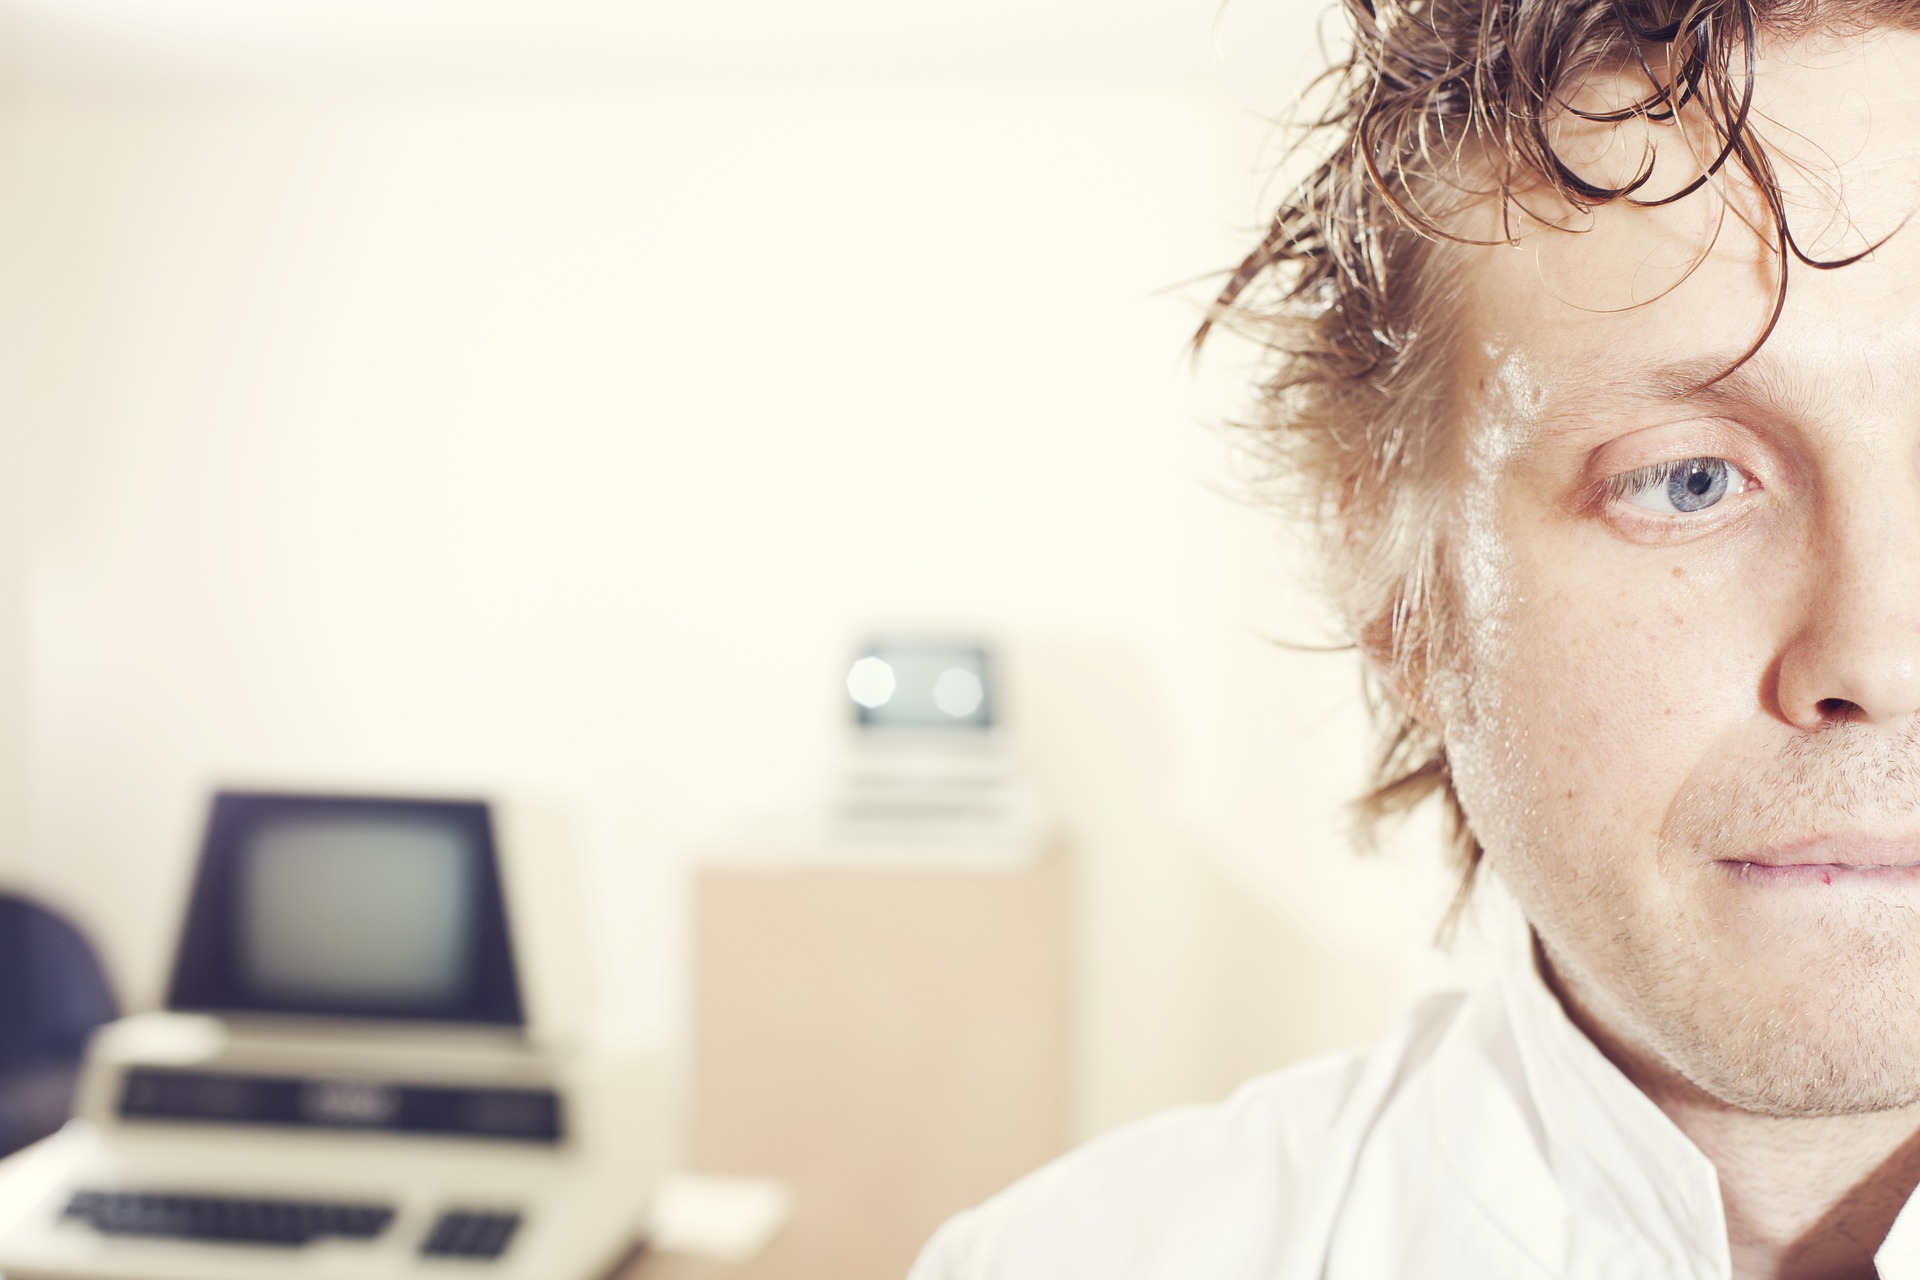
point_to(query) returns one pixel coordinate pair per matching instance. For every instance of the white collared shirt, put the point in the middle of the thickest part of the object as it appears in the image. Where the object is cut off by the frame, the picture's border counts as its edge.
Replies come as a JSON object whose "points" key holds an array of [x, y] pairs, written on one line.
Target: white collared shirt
{"points": [[1486, 1138]]}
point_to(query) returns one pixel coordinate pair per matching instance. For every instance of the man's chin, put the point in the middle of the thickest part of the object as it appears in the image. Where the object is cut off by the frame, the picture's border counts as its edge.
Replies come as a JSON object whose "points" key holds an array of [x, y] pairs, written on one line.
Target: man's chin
{"points": [[1805, 1031], [1798, 1081]]}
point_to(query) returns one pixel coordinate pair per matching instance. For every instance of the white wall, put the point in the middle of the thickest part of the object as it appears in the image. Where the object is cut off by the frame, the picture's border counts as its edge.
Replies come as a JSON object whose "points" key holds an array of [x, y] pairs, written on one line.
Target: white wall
{"points": [[560, 439], [16, 467]]}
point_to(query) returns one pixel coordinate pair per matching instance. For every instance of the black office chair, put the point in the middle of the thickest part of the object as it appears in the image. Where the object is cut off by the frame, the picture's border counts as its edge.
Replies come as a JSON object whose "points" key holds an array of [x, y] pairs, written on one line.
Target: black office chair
{"points": [[52, 995]]}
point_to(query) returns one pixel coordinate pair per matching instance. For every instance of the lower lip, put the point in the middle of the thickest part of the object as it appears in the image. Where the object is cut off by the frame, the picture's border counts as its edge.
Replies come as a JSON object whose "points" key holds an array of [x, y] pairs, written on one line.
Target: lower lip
{"points": [[1819, 873]]}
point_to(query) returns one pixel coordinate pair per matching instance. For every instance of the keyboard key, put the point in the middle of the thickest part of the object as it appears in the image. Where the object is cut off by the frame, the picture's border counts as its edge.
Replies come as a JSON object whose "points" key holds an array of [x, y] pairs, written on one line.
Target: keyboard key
{"points": [[461, 1234]]}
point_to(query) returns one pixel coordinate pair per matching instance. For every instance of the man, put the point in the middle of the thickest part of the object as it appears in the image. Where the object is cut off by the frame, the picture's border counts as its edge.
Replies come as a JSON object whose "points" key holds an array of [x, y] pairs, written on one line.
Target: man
{"points": [[1596, 356]]}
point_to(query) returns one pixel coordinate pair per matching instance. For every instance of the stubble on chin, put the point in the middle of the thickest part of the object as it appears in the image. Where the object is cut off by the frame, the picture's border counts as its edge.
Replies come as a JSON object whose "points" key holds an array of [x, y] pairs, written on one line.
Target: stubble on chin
{"points": [[1778, 1002], [1841, 1038]]}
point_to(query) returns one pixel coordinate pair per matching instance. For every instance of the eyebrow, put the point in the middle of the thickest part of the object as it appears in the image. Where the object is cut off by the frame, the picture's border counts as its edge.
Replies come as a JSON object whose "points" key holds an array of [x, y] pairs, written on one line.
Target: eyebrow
{"points": [[1760, 380], [1763, 382]]}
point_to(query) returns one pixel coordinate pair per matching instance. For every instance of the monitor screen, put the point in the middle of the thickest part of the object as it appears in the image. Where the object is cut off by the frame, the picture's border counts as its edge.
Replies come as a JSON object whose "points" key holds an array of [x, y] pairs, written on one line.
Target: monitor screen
{"points": [[348, 906], [923, 684]]}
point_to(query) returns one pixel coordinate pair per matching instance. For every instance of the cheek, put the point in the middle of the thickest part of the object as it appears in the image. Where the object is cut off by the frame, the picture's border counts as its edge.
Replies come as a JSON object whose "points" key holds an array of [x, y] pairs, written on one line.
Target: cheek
{"points": [[1589, 700]]}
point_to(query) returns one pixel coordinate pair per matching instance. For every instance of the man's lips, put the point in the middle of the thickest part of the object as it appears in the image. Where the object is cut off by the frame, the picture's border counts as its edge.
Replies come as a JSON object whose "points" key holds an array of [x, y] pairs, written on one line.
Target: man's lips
{"points": [[1828, 858]]}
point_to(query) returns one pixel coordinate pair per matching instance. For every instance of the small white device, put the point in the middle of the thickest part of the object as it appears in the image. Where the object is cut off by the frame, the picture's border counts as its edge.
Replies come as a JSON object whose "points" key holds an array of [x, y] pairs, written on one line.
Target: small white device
{"points": [[374, 1065], [932, 776]]}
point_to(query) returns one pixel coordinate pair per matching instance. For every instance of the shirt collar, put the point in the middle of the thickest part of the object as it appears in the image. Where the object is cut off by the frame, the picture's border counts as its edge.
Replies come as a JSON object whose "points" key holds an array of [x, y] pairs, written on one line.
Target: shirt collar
{"points": [[1626, 1169]]}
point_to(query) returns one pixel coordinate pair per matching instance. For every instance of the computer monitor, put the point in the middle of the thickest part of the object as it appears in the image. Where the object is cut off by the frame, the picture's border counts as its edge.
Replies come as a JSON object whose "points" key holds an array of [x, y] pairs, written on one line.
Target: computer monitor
{"points": [[348, 906], [922, 684]]}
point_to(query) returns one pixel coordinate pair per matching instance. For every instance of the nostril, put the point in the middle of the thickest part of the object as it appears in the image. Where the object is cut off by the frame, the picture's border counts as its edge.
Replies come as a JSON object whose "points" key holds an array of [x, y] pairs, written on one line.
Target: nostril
{"points": [[1836, 709]]}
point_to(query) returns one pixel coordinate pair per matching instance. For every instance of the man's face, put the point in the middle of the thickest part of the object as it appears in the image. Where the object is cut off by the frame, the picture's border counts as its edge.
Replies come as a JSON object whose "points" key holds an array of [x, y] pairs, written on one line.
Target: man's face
{"points": [[1685, 719]]}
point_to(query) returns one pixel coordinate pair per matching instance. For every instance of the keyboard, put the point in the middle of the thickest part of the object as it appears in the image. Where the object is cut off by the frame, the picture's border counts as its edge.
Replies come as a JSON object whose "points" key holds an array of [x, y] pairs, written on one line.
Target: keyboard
{"points": [[291, 1223], [232, 1220]]}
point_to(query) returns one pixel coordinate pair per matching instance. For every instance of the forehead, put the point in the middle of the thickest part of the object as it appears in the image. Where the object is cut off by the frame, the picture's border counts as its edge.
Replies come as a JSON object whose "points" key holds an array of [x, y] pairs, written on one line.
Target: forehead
{"points": [[1652, 300]]}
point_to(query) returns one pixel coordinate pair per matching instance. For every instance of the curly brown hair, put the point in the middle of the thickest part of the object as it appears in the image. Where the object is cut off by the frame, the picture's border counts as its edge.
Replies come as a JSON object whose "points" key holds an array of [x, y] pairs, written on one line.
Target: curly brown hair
{"points": [[1437, 106]]}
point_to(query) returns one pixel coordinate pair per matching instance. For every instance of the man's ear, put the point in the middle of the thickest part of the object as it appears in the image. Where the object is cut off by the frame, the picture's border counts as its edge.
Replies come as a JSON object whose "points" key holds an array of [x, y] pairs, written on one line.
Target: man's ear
{"points": [[1406, 683]]}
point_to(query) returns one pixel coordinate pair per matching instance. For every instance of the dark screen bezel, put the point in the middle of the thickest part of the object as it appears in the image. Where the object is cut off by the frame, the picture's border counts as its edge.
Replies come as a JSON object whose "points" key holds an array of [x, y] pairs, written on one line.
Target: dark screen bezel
{"points": [[206, 975]]}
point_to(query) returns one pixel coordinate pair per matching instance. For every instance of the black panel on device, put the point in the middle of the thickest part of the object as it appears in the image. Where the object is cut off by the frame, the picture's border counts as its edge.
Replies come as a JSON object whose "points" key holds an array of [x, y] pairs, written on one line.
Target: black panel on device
{"points": [[520, 1115], [226, 1219], [348, 906], [480, 1236]]}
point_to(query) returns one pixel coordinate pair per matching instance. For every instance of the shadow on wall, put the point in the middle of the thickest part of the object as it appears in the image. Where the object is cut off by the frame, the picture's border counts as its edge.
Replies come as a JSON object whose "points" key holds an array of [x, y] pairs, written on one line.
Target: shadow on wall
{"points": [[1193, 976]]}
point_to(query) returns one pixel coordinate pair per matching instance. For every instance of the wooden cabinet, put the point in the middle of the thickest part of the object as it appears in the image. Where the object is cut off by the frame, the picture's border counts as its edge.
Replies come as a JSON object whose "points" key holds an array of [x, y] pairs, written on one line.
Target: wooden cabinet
{"points": [[894, 1044]]}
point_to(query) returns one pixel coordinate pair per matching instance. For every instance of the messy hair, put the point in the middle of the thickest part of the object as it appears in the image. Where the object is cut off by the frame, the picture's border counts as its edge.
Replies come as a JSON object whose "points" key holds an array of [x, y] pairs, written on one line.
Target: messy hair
{"points": [[1437, 105]]}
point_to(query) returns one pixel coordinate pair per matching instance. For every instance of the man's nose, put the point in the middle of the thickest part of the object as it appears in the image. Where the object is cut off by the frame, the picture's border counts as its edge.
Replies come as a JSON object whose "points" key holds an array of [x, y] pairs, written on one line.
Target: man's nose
{"points": [[1856, 655]]}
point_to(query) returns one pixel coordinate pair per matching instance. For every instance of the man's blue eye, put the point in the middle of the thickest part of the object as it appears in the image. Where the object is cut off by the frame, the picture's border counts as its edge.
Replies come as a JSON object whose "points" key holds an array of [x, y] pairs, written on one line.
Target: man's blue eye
{"points": [[1679, 488], [1697, 485]]}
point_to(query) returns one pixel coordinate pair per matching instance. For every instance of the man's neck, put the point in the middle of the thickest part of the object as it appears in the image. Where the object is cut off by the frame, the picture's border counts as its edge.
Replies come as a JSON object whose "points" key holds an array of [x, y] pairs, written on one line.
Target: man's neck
{"points": [[1806, 1197]]}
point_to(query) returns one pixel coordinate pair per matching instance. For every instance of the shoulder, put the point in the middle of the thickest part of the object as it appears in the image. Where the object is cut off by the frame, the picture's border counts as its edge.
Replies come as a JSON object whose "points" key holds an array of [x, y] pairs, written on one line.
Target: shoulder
{"points": [[1215, 1191]]}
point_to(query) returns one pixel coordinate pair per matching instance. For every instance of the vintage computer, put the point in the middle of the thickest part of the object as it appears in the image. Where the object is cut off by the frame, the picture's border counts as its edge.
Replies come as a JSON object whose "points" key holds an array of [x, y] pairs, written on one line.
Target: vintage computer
{"points": [[932, 775], [375, 1063]]}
